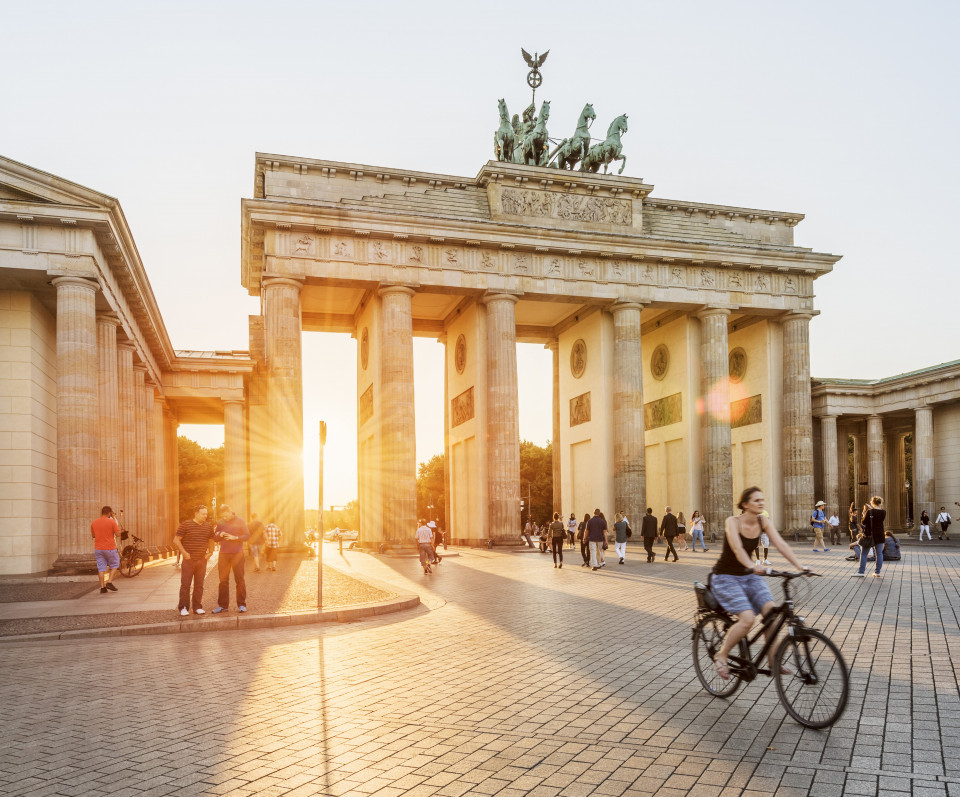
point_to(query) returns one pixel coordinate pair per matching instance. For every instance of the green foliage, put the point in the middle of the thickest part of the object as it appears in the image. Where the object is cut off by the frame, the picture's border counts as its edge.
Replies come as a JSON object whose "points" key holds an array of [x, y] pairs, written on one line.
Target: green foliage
{"points": [[346, 518], [536, 481], [431, 491], [201, 472]]}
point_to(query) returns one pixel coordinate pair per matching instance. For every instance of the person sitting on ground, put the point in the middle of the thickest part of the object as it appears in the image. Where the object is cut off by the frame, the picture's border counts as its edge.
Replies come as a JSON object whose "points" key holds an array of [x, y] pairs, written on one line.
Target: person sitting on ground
{"points": [[891, 548], [856, 547]]}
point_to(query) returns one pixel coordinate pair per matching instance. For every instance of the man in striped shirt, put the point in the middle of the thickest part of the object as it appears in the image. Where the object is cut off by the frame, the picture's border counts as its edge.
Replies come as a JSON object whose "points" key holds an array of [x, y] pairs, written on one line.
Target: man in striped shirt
{"points": [[271, 540], [195, 540]]}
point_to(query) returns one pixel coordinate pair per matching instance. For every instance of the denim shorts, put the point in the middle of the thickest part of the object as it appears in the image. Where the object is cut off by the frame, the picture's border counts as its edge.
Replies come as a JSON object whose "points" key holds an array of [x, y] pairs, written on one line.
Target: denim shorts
{"points": [[739, 594], [107, 560]]}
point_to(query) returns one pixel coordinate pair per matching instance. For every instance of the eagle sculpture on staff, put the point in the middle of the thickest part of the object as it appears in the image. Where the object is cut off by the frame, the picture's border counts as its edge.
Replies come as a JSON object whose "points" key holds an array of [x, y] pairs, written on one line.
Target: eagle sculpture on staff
{"points": [[534, 78]]}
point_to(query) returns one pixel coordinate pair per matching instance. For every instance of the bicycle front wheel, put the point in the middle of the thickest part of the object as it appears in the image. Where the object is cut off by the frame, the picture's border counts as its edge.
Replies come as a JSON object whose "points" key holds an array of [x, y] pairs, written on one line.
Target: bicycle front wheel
{"points": [[707, 640], [131, 564], [812, 679]]}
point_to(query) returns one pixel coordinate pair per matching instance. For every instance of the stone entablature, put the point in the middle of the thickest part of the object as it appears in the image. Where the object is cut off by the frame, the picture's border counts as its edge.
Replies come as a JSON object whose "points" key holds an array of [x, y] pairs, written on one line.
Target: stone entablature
{"points": [[938, 384]]}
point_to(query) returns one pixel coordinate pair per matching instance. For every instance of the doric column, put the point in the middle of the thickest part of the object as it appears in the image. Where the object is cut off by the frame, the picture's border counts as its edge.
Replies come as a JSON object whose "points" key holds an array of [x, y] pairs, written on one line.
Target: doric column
{"points": [[629, 470], [554, 347], [141, 517], [716, 463], [109, 392], [159, 469], [282, 333], [503, 418], [843, 475], [860, 487], [446, 437], [875, 475], [150, 466], [398, 437], [831, 480], [127, 471], [235, 457], [172, 469], [924, 478], [797, 423], [78, 419]]}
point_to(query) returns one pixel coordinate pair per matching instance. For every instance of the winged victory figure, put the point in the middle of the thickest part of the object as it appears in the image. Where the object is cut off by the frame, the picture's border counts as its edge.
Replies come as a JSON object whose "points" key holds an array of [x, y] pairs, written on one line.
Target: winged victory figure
{"points": [[536, 60]]}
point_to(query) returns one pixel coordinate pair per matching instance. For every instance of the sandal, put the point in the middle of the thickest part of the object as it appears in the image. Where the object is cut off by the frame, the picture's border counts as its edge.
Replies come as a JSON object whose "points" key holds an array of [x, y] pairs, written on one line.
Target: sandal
{"points": [[723, 668]]}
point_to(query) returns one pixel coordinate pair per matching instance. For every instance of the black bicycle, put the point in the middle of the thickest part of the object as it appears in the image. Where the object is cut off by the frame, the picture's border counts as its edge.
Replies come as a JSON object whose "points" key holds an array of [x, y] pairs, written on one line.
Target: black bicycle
{"points": [[132, 555], [811, 677]]}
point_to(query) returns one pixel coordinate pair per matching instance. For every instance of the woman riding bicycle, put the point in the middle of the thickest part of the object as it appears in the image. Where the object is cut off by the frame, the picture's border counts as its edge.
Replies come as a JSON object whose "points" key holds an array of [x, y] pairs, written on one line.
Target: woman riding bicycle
{"points": [[736, 582]]}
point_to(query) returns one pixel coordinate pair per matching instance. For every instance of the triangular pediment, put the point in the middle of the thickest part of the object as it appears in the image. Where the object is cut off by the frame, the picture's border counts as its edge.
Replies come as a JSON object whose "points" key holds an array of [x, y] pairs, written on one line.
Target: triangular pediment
{"points": [[22, 183]]}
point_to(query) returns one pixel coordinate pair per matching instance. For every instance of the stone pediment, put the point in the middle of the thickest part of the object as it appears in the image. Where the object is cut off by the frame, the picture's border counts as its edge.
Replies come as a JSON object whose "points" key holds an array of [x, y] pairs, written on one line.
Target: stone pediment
{"points": [[20, 183]]}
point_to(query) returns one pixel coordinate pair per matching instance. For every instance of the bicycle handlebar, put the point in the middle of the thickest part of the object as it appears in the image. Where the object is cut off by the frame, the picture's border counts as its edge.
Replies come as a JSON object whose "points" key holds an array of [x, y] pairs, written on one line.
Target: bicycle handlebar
{"points": [[789, 574]]}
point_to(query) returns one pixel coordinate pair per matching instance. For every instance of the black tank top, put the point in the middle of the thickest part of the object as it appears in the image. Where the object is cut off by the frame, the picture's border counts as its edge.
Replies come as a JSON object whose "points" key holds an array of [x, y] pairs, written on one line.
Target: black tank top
{"points": [[728, 564]]}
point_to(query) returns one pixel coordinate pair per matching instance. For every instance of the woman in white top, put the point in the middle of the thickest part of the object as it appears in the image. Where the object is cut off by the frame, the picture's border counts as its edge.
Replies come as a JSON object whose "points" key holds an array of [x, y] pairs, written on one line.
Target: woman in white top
{"points": [[696, 531], [944, 520]]}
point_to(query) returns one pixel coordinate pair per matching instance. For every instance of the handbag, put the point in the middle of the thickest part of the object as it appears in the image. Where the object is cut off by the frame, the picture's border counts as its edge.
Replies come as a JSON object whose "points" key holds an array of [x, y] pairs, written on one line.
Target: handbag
{"points": [[629, 531]]}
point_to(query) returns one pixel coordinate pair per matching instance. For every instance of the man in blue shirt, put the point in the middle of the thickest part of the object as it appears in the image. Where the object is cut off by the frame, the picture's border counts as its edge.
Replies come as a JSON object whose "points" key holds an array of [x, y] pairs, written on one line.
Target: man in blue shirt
{"points": [[818, 520]]}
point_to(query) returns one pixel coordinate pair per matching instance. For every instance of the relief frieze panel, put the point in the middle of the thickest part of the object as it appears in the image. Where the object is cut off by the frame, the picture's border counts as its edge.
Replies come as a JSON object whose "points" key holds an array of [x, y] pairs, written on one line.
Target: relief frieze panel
{"points": [[462, 408], [365, 406], [580, 409], [571, 207], [663, 412], [746, 412]]}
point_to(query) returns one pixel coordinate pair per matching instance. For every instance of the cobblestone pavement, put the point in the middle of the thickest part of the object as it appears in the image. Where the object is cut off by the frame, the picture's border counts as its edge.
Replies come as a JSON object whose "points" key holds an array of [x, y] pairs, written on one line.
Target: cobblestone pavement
{"points": [[513, 678]]}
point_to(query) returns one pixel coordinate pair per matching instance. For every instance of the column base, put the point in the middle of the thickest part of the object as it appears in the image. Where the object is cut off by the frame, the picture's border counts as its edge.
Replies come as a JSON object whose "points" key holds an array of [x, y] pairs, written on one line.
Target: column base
{"points": [[74, 565]]}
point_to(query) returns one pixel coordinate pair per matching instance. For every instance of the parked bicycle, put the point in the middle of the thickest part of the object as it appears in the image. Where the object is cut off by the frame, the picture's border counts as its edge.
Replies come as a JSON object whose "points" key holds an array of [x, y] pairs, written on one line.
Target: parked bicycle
{"points": [[811, 677], [132, 555]]}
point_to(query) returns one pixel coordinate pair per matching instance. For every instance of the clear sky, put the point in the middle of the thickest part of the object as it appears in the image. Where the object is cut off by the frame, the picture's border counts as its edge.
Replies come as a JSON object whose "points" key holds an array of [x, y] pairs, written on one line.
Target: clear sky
{"points": [[843, 111]]}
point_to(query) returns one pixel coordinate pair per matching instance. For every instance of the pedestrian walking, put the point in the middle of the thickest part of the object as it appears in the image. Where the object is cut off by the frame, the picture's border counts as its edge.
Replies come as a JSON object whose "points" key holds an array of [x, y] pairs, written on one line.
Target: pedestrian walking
{"points": [[425, 546], [925, 525], [648, 530], [944, 520], [584, 545], [668, 530], [834, 522], [597, 539], [620, 527], [737, 583], [873, 535], [572, 529], [104, 530], [818, 520], [194, 539], [682, 531], [527, 531], [437, 539], [696, 531], [271, 544], [231, 532], [558, 533], [256, 540]]}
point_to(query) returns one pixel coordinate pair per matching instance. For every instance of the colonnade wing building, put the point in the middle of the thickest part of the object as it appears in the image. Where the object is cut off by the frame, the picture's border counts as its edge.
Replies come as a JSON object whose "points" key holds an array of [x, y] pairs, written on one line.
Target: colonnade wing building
{"points": [[679, 333]]}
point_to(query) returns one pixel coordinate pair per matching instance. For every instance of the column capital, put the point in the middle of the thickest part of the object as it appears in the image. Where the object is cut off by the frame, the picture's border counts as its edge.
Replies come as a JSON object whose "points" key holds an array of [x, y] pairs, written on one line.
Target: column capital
{"points": [[442, 338], [500, 296], [795, 316], [126, 345], [386, 290], [828, 417], [923, 408], [707, 312], [278, 282], [619, 305], [140, 368], [82, 282], [108, 319], [552, 345], [241, 402]]}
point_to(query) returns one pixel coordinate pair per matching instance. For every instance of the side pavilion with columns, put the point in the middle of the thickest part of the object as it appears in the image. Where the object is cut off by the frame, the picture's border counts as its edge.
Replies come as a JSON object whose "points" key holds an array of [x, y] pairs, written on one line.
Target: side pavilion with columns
{"points": [[679, 333], [91, 389]]}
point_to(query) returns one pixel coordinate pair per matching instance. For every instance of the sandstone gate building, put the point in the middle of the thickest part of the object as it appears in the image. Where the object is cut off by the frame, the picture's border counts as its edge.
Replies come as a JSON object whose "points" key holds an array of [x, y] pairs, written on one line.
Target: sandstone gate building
{"points": [[679, 333]]}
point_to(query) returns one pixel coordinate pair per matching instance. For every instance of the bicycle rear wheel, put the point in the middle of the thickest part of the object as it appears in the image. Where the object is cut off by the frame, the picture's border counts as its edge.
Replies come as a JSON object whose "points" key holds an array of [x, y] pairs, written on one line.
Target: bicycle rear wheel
{"points": [[815, 692], [707, 640], [131, 563]]}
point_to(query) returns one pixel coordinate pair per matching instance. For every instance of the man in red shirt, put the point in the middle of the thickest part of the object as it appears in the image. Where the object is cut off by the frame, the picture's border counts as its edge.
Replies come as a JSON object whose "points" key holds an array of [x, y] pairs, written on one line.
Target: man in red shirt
{"points": [[104, 530]]}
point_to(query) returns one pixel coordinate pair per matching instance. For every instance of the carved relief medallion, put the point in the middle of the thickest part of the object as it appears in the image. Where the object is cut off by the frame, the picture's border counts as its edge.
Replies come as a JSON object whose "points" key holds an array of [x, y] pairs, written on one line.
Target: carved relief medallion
{"points": [[578, 358], [660, 362], [364, 348], [580, 409], [460, 354], [738, 364]]}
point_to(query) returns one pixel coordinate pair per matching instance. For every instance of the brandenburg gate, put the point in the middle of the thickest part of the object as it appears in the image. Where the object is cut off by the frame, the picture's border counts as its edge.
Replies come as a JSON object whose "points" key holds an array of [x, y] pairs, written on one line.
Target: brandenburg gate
{"points": [[679, 333]]}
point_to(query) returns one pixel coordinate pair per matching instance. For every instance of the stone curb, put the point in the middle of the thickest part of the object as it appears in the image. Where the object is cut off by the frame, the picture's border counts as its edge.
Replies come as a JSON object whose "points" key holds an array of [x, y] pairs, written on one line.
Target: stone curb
{"points": [[346, 614]]}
